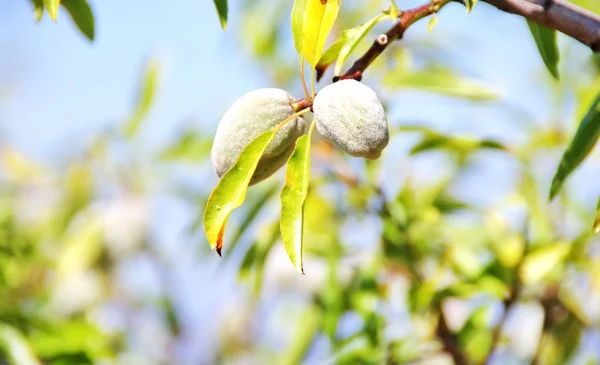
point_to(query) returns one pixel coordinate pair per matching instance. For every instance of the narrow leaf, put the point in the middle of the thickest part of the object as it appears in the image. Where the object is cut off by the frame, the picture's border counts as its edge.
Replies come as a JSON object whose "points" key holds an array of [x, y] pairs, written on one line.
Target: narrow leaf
{"points": [[297, 177], [318, 20], [432, 22], [330, 55], [582, 143], [52, 8], [394, 10], [255, 207], [597, 222], [222, 10], [38, 9], [82, 15], [230, 192], [541, 262], [354, 36], [298, 18], [441, 81], [147, 93], [191, 146], [547, 45], [470, 5]]}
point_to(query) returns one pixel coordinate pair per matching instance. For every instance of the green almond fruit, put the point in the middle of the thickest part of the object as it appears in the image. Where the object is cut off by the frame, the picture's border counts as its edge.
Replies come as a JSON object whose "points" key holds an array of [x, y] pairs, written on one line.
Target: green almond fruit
{"points": [[254, 113], [349, 114]]}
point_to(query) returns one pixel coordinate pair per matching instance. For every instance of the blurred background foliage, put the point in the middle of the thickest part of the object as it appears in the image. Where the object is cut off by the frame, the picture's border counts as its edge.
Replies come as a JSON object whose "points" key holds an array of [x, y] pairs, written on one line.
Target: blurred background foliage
{"points": [[446, 249]]}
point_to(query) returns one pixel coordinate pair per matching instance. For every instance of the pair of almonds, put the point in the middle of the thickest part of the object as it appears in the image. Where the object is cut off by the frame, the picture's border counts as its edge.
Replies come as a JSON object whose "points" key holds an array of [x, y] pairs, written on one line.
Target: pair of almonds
{"points": [[348, 113]]}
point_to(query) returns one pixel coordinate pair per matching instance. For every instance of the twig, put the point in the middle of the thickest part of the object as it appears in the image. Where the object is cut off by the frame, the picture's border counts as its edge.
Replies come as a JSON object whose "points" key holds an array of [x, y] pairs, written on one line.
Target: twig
{"points": [[406, 19], [450, 342], [560, 15]]}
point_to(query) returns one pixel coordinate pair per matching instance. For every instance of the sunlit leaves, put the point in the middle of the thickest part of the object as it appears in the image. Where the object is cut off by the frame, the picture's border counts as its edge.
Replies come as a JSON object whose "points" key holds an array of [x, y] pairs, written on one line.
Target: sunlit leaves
{"points": [[146, 95], [190, 146], [545, 39], [311, 23], [222, 11], [52, 8], [298, 19], [541, 262], [292, 200], [343, 47], [597, 221], [14, 344], [470, 4], [38, 9], [432, 22], [441, 81], [82, 15], [230, 192], [581, 145]]}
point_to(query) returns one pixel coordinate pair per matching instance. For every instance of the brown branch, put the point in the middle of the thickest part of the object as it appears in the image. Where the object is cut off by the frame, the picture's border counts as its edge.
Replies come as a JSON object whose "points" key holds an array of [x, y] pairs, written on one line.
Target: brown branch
{"points": [[406, 19], [450, 342], [560, 15]]}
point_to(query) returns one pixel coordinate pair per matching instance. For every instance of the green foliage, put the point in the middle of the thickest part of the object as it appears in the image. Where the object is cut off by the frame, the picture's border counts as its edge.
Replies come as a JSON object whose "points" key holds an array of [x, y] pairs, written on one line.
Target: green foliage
{"points": [[148, 87], [441, 81], [297, 178], [231, 190], [401, 267], [547, 45], [222, 11], [343, 47], [52, 8], [82, 15], [470, 4], [311, 23], [581, 145], [597, 222], [38, 9]]}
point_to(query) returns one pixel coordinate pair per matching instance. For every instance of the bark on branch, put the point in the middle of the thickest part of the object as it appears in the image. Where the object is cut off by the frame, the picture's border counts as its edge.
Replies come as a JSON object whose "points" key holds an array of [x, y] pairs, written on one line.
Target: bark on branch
{"points": [[560, 15]]}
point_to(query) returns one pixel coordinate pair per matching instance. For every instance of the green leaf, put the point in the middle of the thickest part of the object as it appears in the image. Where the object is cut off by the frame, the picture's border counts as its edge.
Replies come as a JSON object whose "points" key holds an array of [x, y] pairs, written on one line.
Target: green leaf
{"points": [[317, 17], [52, 8], [222, 11], [190, 147], [545, 39], [82, 15], [441, 81], [353, 36], [432, 22], [147, 93], [470, 5], [581, 145], [329, 57], [230, 192], [541, 262], [252, 212], [38, 9], [293, 195], [597, 222], [394, 10], [14, 344], [298, 18]]}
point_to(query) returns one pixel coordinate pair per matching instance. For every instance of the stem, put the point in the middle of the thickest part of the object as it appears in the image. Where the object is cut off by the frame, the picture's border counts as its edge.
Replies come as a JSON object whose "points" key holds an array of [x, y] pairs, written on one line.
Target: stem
{"points": [[306, 94], [312, 83], [560, 15], [406, 19]]}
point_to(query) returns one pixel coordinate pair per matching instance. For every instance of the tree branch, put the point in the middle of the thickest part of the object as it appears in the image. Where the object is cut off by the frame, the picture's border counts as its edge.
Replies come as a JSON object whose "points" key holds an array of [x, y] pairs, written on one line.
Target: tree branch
{"points": [[406, 19], [560, 15]]}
